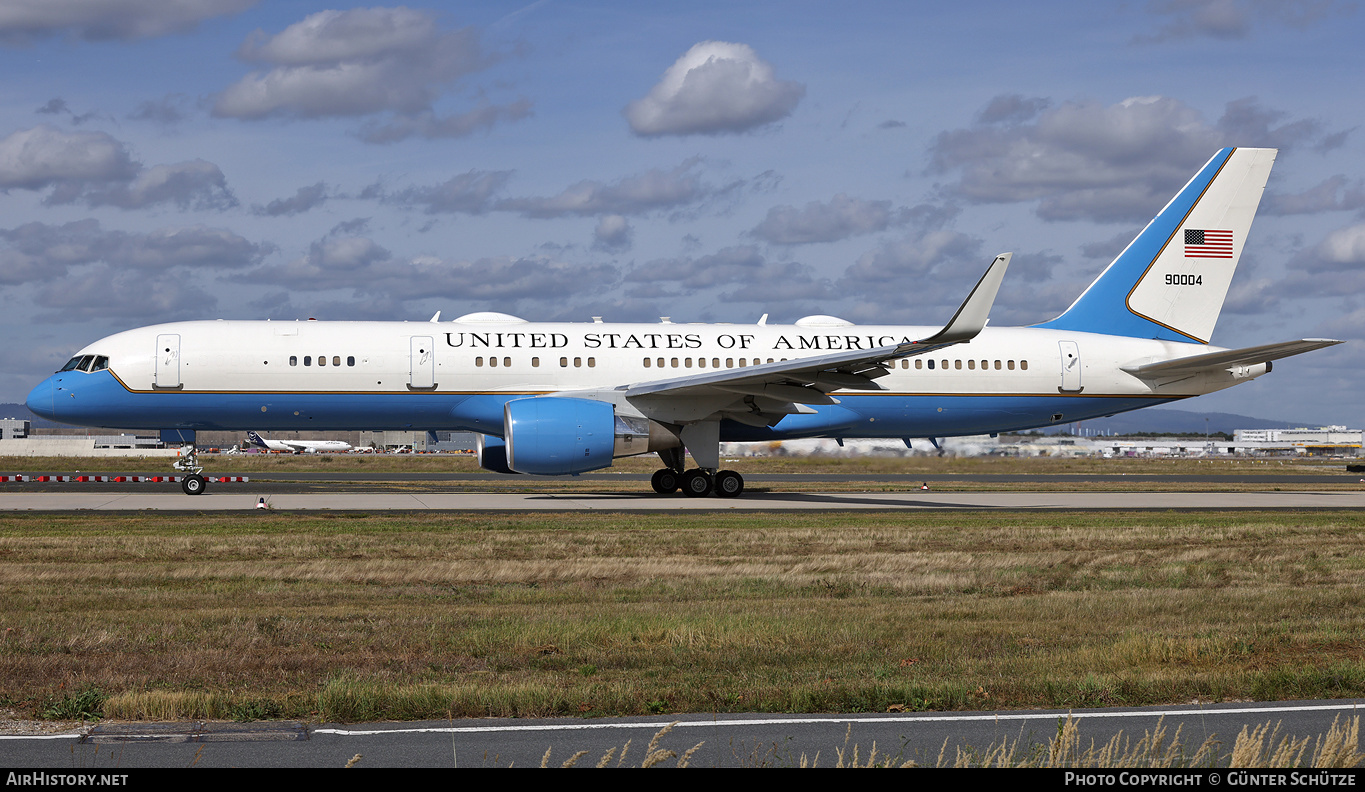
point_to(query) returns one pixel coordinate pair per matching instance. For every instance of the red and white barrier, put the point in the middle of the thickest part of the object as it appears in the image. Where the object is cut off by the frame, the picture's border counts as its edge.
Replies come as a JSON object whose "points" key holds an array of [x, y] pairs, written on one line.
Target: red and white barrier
{"points": [[120, 479]]}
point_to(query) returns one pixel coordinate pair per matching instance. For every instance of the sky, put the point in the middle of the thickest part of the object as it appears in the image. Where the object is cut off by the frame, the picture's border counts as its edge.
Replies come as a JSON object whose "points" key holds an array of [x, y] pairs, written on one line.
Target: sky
{"points": [[168, 160]]}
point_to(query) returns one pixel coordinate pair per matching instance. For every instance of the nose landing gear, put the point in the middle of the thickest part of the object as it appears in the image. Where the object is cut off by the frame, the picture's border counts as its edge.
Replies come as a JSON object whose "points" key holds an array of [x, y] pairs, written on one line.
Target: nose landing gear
{"points": [[188, 462]]}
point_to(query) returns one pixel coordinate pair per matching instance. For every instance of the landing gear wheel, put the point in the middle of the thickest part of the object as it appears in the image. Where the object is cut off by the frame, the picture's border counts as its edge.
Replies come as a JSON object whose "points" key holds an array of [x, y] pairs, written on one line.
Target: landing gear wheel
{"points": [[194, 484], [696, 483], [729, 484], [666, 481]]}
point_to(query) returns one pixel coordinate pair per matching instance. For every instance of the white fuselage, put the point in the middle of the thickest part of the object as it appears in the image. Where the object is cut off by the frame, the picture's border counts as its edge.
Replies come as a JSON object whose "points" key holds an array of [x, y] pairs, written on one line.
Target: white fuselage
{"points": [[363, 375]]}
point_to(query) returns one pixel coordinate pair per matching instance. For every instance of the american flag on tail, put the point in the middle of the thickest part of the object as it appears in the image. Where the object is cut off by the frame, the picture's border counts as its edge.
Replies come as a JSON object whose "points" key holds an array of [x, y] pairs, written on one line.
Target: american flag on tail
{"points": [[1208, 244]]}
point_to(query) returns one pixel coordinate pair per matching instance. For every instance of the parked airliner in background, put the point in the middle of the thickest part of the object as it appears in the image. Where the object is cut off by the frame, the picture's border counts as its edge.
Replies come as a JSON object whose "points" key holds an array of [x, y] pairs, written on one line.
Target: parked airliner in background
{"points": [[297, 446], [565, 398]]}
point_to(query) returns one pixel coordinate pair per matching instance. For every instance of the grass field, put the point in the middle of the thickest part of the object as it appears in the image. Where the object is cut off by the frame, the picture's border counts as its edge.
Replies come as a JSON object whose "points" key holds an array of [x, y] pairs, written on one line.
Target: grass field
{"points": [[347, 618]]}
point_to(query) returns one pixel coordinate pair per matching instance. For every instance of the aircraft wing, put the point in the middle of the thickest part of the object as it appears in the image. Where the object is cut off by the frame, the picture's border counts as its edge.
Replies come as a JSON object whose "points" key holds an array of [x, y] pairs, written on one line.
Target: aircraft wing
{"points": [[1213, 361], [783, 385]]}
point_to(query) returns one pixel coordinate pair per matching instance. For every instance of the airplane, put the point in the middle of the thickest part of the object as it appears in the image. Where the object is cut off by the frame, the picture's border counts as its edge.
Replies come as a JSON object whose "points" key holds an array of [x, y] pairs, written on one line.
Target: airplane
{"points": [[297, 446], [567, 398]]}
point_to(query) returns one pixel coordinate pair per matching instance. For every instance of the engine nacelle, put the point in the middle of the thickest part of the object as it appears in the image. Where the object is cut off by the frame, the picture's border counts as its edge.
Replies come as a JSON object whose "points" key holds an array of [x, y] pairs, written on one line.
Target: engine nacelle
{"points": [[492, 453], [555, 435], [552, 436]]}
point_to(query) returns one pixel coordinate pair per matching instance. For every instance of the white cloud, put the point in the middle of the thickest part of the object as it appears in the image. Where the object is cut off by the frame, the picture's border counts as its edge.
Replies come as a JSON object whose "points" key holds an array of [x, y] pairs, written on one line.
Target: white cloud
{"points": [[716, 87], [643, 192], [1084, 160], [22, 21], [301, 201], [362, 62], [44, 156], [96, 169], [1234, 19], [1344, 247], [47, 252], [841, 218], [613, 234]]}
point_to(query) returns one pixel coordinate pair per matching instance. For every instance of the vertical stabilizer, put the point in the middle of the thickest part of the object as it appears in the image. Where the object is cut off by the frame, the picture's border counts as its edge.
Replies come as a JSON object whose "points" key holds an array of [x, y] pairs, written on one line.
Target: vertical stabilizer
{"points": [[1171, 281]]}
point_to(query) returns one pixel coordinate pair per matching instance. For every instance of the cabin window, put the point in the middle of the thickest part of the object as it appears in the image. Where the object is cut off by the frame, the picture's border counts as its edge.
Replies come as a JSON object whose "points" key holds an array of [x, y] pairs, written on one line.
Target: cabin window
{"points": [[687, 362], [997, 365], [322, 360], [293, 360], [647, 362], [350, 360], [1023, 365], [957, 364], [578, 362], [1009, 364], [971, 365], [715, 362], [701, 362], [729, 362], [478, 361], [307, 360], [535, 362], [563, 362], [674, 362], [592, 362], [742, 362], [493, 362]]}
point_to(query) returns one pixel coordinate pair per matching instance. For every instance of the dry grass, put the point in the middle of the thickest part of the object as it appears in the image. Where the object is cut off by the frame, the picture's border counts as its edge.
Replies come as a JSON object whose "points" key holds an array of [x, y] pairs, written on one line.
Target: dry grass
{"points": [[1255, 747], [413, 616]]}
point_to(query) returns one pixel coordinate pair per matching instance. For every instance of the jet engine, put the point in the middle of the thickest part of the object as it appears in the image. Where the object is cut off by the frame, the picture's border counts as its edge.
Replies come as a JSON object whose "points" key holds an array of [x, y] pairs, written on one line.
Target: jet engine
{"points": [[555, 435], [492, 453]]}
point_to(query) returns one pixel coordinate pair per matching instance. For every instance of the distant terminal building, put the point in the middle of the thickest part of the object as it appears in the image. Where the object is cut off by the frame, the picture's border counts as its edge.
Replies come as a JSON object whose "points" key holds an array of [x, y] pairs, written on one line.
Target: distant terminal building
{"points": [[13, 428], [1323, 441], [17, 439]]}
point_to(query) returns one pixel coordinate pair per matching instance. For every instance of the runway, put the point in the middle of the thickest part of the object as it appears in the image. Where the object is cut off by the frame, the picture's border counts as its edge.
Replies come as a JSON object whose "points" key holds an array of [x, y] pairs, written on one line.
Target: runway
{"points": [[241, 498]]}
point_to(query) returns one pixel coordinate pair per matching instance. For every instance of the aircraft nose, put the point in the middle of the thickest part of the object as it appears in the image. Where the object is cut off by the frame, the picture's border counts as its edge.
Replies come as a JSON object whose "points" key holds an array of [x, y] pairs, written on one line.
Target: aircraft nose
{"points": [[40, 401]]}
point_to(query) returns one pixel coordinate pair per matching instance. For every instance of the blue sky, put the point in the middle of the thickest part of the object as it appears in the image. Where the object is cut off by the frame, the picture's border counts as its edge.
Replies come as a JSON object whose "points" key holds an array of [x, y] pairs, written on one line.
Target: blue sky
{"points": [[164, 160]]}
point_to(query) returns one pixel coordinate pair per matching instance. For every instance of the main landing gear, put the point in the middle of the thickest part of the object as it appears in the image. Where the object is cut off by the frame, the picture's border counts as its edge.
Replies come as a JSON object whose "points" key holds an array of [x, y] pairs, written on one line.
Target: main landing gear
{"points": [[698, 483], [702, 439], [188, 462]]}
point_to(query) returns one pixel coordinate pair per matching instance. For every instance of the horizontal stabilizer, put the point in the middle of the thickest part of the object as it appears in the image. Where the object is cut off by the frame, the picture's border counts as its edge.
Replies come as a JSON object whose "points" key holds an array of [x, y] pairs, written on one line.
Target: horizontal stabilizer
{"points": [[1213, 361]]}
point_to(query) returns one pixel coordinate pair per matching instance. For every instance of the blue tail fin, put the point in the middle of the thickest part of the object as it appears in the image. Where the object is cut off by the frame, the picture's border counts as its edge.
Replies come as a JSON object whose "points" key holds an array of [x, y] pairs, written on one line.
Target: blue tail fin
{"points": [[1170, 282]]}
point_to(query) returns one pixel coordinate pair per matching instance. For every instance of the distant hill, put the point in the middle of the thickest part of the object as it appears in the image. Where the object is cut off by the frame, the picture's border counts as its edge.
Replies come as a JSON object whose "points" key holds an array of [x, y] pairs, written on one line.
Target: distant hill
{"points": [[1174, 422], [12, 410], [1152, 420]]}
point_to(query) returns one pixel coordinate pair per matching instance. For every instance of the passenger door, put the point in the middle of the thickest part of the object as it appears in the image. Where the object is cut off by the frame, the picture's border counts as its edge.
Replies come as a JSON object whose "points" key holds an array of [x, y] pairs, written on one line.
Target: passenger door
{"points": [[422, 364], [1071, 367], [167, 362]]}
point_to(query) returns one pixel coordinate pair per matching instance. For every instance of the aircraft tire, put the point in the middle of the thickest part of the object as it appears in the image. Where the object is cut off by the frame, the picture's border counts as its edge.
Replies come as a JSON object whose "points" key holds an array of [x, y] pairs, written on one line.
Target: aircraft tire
{"points": [[666, 481], [729, 484], [194, 484], [696, 483]]}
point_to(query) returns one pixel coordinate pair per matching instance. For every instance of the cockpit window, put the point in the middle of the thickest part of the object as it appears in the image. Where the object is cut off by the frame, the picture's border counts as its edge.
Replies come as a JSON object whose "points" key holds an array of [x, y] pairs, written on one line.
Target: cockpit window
{"points": [[87, 363]]}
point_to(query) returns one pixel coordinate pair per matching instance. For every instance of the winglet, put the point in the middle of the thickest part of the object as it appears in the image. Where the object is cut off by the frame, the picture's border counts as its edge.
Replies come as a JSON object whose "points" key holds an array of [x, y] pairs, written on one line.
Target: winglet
{"points": [[971, 316]]}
